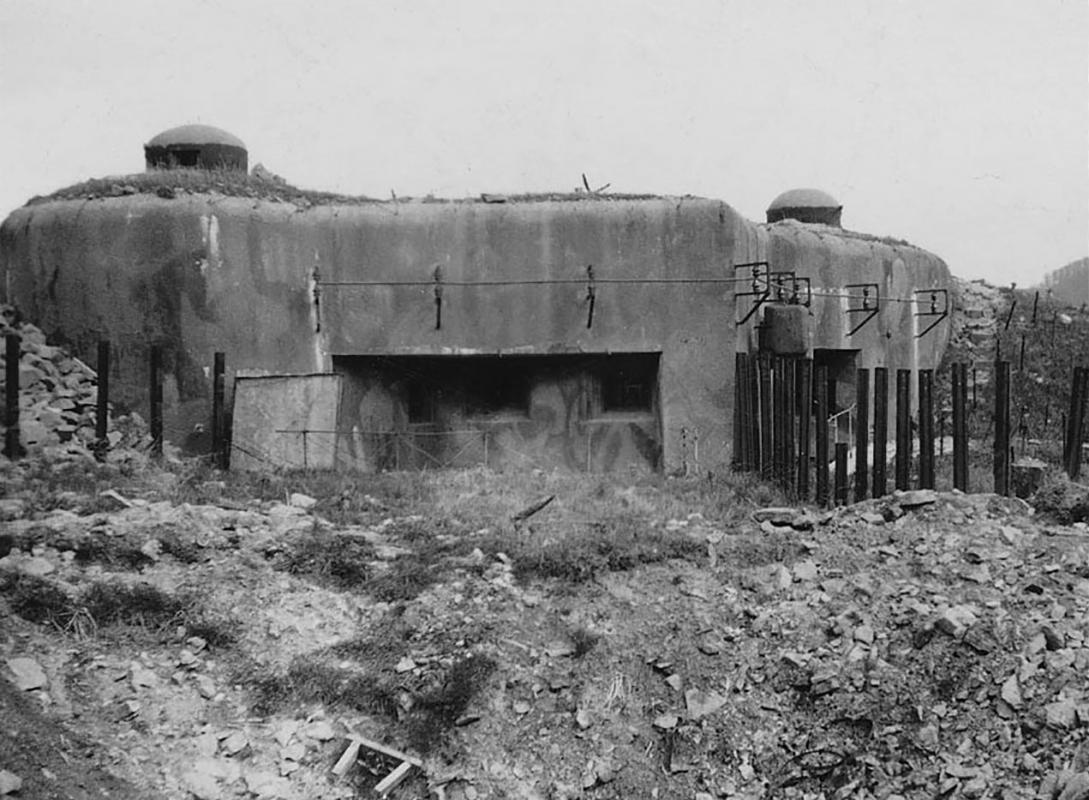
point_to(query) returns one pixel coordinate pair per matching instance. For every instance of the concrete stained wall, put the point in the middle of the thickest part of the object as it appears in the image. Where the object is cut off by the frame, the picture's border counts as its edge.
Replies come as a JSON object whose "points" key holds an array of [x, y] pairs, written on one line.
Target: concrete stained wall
{"points": [[255, 279], [267, 411], [142, 270], [202, 273], [833, 259]]}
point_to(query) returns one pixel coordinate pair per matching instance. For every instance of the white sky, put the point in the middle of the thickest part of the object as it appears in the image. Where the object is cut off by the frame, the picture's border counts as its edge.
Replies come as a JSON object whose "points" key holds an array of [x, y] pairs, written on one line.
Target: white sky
{"points": [[960, 125]]}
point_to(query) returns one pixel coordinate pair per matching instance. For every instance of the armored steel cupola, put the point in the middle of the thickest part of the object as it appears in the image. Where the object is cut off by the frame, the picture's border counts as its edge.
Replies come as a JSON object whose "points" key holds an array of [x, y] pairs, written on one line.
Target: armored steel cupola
{"points": [[806, 205], [196, 146]]}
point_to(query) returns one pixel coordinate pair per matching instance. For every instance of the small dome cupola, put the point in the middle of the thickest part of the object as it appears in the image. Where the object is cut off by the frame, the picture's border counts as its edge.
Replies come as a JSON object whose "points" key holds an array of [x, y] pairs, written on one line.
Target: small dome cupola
{"points": [[806, 205], [196, 146]]}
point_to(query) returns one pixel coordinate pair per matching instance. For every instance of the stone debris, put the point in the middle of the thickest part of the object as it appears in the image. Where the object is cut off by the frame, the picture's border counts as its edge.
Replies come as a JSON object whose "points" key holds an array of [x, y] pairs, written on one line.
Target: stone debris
{"points": [[305, 502], [28, 674], [58, 398], [10, 783], [936, 644], [320, 731], [701, 703]]}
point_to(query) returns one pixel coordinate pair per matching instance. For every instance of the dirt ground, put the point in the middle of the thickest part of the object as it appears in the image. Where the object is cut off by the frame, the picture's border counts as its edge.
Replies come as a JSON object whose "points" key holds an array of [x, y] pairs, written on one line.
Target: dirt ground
{"points": [[179, 633]]}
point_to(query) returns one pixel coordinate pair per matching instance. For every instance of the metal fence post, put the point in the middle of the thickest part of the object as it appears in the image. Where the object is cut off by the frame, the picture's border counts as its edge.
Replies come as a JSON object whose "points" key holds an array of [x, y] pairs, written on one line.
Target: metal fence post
{"points": [[903, 428], [738, 446], [13, 448], [862, 434], [156, 398], [960, 427], [1075, 426], [804, 385], [880, 430], [790, 413], [102, 405], [753, 407], [766, 461], [926, 429], [1002, 428], [778, 428], [219, 437], [820, 389]]}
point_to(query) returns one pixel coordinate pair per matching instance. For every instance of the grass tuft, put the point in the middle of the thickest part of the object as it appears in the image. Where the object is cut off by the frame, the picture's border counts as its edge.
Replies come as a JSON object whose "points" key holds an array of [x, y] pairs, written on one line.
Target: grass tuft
{"points": [[584, 640], [406, 579], [339, 559], [311, 680], [37, 600], [614, 545], [1063, 500]]}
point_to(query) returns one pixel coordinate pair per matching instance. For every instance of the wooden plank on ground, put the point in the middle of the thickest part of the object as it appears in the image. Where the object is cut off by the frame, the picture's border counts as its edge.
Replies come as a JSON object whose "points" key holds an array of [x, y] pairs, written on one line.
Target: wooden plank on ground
{"points": [[391, 781], [347, 759]]}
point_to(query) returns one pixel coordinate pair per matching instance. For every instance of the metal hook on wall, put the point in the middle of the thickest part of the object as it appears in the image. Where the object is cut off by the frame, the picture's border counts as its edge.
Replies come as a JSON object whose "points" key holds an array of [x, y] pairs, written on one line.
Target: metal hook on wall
{"points": [[438, 297], [591, 295]]}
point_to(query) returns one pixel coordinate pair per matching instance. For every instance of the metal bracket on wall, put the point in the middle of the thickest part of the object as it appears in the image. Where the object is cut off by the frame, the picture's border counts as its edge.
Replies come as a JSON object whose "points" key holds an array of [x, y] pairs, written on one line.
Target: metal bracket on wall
{"points": [[761, 289], [781, 287], [870, 303], [787, 286], [316, 277], [591, 295], [939, 313], [438, 297]]}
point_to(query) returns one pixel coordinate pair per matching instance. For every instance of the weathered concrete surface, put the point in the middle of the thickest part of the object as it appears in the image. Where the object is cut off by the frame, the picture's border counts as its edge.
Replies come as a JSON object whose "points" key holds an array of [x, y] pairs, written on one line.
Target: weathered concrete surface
{"points": [[258, 280], [833, 259], [269, 409], [206, 273]]}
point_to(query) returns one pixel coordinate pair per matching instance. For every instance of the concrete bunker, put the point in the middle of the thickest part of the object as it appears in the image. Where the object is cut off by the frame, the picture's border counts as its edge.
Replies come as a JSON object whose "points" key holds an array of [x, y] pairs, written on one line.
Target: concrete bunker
{"points": [[579, 331]]}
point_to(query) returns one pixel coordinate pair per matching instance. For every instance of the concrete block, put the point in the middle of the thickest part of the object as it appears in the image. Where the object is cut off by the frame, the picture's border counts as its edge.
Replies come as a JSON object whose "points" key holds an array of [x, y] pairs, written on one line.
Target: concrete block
{"points": [[787, 330]]}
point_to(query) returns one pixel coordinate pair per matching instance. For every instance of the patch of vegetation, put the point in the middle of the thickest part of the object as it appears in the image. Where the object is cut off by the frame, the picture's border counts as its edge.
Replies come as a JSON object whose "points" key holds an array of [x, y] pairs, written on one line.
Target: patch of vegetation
{"points": [[760, 550], [1063, 500], [339, 559], [406, 578], [437, 710], [176, 544], [145, 607], [141, 604], [70, 485], [349, 674], [103, 548], [170, 183], [615, 545], [112, 604], [36, 599], [584, 640], [312, 680], [216, 630]]}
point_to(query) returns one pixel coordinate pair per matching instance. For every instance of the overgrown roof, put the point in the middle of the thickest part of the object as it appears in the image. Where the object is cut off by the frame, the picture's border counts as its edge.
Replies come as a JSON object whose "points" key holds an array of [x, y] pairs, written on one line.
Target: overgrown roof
{"points": [[822, 230], [233, 183]]}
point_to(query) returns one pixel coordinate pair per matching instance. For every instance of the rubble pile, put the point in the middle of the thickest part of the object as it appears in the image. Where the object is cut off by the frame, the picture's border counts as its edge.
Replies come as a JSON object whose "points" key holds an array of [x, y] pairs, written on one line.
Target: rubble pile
{"points": [[975, 323], [926, 644], [57, 392], [58, 396]]}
